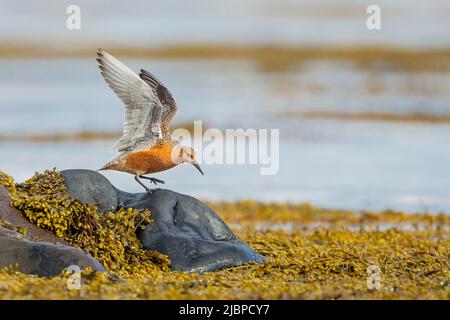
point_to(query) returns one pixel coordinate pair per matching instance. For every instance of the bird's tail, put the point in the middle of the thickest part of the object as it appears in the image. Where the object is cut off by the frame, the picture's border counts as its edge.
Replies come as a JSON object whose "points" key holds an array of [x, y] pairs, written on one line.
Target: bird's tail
{"points": [[113, 164], [106, 166]]}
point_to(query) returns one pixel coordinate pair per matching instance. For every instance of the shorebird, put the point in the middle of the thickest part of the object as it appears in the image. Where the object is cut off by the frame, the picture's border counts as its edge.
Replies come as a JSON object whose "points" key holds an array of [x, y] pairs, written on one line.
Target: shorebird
{"points": [[146, 145]]}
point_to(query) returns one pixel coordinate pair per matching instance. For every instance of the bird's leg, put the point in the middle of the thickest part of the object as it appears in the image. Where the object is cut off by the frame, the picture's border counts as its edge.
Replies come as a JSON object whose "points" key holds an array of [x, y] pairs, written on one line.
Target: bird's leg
{"points": [[143, 185], [153, 180]]}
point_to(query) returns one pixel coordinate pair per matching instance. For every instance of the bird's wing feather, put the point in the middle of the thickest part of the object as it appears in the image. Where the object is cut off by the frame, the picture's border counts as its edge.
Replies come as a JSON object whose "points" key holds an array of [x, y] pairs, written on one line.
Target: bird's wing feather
{"points": [[143, 109], [169, 106]]}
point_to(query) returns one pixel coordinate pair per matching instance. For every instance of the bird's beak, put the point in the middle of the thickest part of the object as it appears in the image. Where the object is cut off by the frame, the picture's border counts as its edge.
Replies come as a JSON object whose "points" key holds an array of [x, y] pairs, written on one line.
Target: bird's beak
{"points": [[195, 164]]}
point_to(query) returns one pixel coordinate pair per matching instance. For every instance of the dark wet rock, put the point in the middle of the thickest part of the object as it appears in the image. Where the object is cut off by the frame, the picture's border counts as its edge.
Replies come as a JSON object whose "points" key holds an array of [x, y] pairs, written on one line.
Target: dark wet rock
{"points": [[90, 187], [41, 258], [191, 234]]}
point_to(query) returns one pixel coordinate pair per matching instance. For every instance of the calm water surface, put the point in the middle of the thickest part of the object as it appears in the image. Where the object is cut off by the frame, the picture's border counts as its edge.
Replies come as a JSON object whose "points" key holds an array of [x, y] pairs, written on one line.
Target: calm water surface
{"points": [[335, 164]]}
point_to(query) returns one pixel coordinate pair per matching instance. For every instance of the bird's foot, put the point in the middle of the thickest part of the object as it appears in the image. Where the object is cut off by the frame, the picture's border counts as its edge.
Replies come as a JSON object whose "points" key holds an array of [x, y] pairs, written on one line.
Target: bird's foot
{"points": [[143, 185], [153, 180]]}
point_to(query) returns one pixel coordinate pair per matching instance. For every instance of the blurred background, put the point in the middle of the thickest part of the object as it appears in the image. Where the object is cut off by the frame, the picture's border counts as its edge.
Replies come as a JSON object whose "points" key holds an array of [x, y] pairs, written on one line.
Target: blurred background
{"points": [[364, 116]]}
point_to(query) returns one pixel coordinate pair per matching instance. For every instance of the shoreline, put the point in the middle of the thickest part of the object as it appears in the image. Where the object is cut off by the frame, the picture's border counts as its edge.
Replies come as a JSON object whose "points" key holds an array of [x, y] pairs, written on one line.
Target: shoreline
{"points": [[329, 260], [317, 263], [369, 116], [270, 57]]}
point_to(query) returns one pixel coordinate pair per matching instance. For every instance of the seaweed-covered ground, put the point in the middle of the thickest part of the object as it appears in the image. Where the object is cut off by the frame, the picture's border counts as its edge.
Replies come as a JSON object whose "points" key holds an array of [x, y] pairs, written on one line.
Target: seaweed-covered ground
{"points": [[313, 254]]}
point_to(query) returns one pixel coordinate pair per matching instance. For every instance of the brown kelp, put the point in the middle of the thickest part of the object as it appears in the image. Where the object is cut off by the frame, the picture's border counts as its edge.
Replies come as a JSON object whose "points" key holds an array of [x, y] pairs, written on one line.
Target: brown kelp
{"points": [[110, 237], [324, 254]]}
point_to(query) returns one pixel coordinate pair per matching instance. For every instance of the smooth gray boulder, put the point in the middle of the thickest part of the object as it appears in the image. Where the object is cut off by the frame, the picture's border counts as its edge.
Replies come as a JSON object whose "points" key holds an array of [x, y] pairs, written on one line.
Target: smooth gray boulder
{"points": [[41, 258], [192, 235], [91, 187]]}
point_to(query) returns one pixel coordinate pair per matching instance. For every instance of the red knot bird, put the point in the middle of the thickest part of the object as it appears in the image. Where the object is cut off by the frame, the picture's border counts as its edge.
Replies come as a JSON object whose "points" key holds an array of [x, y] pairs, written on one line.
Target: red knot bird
{"points": [[146, 145]]}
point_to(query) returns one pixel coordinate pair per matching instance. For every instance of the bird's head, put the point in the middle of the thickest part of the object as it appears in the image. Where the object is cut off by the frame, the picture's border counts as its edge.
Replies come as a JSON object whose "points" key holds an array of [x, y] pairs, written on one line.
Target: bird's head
{"points": [[185, 154]]}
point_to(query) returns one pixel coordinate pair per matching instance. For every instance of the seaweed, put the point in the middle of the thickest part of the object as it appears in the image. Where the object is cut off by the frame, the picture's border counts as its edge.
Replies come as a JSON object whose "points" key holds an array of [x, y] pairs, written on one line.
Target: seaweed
{"points": [[327, 254], [110, 237]]}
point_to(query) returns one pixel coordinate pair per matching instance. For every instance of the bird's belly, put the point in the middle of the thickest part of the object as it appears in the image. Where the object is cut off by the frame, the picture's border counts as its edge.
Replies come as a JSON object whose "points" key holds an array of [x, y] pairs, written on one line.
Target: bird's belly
{"points": [[148, 161]]}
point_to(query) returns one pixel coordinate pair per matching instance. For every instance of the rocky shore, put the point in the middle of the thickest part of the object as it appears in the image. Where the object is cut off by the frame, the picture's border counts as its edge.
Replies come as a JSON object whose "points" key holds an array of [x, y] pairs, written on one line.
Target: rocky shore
{"points": [[40, 240], [311, 253]]}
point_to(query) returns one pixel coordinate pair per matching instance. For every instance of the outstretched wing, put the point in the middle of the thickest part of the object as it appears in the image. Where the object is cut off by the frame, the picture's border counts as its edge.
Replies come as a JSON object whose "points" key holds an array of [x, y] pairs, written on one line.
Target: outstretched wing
{"points": [[142, 105], [169, 106]]}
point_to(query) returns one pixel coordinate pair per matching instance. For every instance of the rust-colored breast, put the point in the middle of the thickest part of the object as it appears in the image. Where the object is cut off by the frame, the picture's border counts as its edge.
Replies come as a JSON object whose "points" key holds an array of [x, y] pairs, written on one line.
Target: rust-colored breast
{"points": [[157, 158]]}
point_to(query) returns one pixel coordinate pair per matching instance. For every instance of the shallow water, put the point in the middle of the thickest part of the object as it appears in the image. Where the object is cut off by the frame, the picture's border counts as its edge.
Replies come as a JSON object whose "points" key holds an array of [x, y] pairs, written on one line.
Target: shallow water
{"points": [[413, 23], [336, 164]]}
